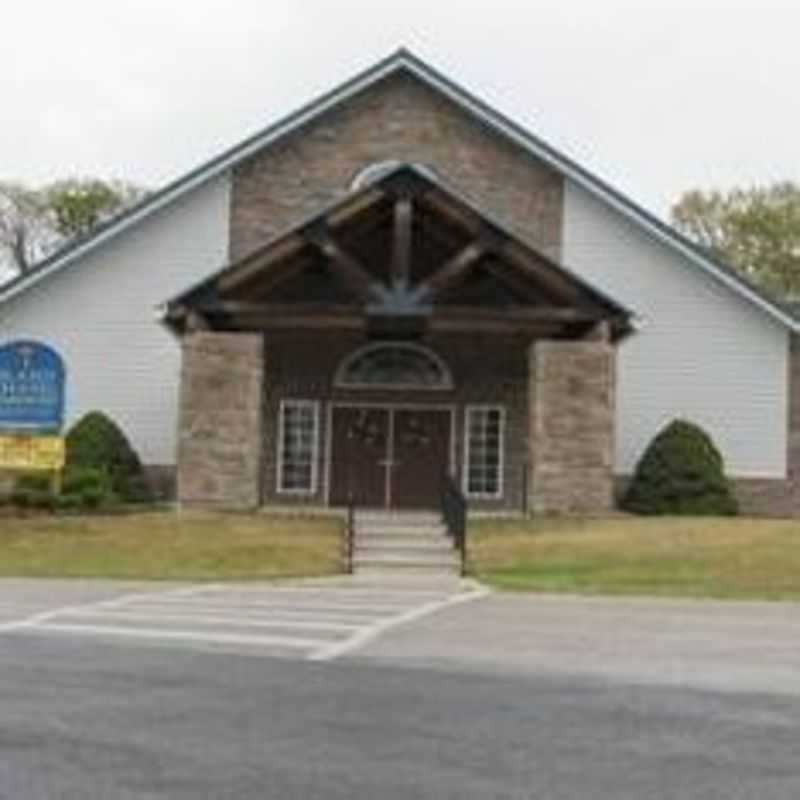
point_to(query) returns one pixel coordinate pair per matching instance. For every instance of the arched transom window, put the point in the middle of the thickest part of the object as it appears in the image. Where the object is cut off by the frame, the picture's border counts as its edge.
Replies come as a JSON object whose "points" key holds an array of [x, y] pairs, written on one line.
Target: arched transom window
{"points": [[393, 365]]}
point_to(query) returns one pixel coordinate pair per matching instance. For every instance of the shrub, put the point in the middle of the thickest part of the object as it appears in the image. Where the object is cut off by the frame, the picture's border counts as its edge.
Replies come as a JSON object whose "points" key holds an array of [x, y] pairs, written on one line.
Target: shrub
{"points": [[86, 488], [36, 481], [681, 472], [97, 442], [79, 479], [69, 502], [42, 499], [95, 497]]}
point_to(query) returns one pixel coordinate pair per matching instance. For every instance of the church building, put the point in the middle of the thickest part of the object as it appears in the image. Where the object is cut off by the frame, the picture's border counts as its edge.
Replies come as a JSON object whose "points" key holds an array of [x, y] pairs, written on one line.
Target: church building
{"points": [[396, 285]]}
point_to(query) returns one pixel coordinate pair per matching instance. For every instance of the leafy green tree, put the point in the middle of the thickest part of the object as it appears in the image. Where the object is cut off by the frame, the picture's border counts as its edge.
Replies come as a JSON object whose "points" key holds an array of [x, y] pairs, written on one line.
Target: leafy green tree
{"points": [[78, 205], [36, 221], [755, 230]]}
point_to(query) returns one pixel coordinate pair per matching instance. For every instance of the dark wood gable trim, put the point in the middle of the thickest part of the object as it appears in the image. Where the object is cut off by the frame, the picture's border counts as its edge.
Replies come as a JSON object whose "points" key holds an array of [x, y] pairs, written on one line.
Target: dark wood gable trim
{"points": [[546, 296]]}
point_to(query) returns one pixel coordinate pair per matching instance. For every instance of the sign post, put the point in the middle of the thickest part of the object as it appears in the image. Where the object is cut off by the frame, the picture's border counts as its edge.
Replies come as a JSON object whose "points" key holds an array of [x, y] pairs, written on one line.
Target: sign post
{"points": [[31, 409]]}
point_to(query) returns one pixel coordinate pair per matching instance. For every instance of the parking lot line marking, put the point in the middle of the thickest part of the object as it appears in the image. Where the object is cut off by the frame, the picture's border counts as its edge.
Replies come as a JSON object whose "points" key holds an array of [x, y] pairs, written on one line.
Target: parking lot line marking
{"points": [[309, 605], [268, 617], [221, 607], [120, 600], [278, 613], [181, 592], [157, 633], [125, 613], [330, 652], [334, 591]]}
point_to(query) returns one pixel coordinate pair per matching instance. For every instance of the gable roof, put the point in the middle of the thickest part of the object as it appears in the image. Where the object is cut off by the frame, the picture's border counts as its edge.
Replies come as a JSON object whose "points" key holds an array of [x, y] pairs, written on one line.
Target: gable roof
{"points": [[423, 181], [399, 62]]}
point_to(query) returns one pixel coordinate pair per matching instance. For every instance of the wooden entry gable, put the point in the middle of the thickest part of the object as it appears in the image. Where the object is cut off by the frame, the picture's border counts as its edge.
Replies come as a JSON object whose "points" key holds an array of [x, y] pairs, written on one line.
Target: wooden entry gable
{"points": [[404, 254]]}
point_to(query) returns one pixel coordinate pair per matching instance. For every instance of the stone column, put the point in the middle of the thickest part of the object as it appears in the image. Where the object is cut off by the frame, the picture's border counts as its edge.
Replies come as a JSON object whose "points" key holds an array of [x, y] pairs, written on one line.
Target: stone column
{"points": [[571, 426], [220, 423]]}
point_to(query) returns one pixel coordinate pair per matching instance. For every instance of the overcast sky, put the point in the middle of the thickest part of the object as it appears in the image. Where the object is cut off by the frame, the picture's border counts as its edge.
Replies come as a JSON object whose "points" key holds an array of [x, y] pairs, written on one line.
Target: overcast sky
{"points": [[655, 97]]}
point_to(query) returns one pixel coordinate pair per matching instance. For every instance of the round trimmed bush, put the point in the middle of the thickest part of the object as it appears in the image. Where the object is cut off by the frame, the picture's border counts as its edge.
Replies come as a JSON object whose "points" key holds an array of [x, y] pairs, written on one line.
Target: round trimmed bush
{"points": [[97, 442], [681, 472]]}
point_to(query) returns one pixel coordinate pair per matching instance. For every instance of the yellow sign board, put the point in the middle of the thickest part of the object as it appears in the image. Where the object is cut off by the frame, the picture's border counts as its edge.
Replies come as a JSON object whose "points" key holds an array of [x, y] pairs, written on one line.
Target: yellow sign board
{"points": [[32, 452]]}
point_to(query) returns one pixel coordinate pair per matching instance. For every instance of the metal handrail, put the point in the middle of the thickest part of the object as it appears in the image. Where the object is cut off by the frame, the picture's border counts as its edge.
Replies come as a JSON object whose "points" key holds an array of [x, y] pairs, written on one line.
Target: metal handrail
{"points": [[350, 535], [454, 515]]}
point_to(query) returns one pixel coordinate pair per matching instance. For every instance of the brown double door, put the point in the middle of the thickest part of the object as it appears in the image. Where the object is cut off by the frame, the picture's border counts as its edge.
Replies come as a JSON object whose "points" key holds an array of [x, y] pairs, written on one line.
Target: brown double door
{"points": [[389, 457]]}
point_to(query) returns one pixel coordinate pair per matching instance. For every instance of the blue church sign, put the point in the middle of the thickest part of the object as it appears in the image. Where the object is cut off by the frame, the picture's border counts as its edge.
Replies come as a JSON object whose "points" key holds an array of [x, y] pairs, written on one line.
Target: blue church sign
{"points": [[31, 387]]}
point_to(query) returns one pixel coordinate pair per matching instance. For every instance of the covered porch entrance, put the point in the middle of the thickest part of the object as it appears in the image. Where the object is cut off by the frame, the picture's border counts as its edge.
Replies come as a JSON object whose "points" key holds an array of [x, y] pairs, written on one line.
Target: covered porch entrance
{"points": [[389, 456], [395, 335]]}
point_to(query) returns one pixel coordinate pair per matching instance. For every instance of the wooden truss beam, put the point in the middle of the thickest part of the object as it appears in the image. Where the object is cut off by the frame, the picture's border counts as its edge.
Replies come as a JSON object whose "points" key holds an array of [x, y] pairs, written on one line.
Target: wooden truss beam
{"points": [[252, 266], [455, 269], [544, 321], [402, 240], [343, 264], [519, 314], [559, 284], [522, 283], [264, 316], [354, 207]]}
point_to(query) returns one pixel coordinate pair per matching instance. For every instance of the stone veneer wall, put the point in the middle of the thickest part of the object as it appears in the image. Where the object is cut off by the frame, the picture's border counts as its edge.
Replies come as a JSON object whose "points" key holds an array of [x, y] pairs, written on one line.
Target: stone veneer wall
{"points": [[571, 417], [220, 420], [398, 119]]}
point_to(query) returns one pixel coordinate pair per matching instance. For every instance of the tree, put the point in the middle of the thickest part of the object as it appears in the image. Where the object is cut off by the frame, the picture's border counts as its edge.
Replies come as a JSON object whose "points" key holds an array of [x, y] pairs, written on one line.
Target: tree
{"points": [[79, 205], [35, 222], [756, 231], [25, 232]]}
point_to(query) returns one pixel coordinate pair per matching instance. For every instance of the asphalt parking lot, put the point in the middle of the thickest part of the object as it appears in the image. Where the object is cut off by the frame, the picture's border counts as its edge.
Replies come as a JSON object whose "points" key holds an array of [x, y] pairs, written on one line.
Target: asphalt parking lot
{"points": [[345, 690], [693, 644]]}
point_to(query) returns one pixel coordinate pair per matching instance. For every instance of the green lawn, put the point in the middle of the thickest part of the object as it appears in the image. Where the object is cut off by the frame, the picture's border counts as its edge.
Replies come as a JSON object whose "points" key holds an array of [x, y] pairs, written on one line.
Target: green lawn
{"points": [[664, 556], [167, 545]]}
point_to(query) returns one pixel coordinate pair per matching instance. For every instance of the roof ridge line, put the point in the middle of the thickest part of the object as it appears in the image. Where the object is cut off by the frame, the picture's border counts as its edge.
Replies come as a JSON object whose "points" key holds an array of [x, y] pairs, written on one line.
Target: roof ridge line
{"points": [[404, 58]]}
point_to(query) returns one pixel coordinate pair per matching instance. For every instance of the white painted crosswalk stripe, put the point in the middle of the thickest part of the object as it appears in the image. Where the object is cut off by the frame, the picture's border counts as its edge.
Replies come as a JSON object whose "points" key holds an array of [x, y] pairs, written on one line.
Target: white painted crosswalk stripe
{"points": [[123, 614], [318, 622], [162, 633]]}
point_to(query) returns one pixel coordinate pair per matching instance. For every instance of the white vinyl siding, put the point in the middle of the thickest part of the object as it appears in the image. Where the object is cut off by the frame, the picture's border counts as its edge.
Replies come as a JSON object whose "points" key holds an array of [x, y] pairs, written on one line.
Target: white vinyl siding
{"points": [[703, 352], [298, 446], [100, 314]]}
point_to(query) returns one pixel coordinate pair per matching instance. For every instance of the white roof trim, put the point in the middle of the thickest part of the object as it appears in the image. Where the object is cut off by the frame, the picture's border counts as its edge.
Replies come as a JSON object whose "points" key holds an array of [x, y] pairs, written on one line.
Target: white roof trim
{"points": [[404, 60]]}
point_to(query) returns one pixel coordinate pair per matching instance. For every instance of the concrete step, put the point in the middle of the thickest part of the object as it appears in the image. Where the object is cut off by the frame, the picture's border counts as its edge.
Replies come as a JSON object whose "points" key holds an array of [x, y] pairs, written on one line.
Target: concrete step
{"points": [[406, 560], [403, 550], [403, 543], [432, 531], [436, 580], [416, 572], [409, 576], [400, 517], [405, 540]]}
